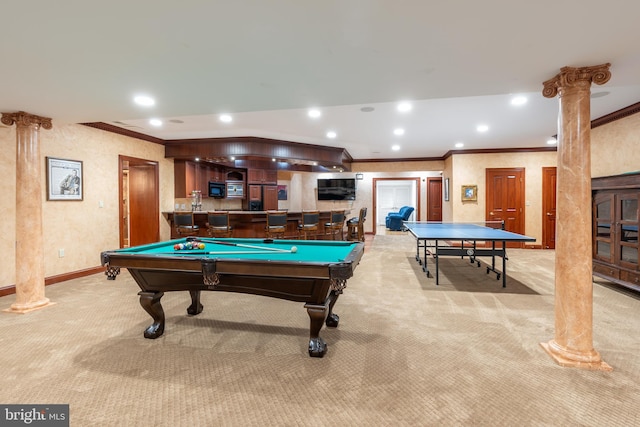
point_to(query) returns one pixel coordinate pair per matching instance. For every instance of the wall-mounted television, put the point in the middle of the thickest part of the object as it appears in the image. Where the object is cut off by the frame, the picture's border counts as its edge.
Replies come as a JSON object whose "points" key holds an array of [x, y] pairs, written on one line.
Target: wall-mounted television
{"points": [[336, 189]]}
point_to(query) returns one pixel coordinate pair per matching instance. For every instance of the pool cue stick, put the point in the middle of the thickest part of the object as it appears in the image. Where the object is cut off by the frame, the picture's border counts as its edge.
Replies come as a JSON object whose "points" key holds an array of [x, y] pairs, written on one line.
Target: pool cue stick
{"points": [[242, 245], [191, 252]]}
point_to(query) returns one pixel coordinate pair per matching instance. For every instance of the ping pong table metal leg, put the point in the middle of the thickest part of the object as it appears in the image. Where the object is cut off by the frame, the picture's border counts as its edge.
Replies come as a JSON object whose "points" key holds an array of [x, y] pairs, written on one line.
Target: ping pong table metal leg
{"points": [[504, 264], [425, 255], [437, 267], [503, 253]]}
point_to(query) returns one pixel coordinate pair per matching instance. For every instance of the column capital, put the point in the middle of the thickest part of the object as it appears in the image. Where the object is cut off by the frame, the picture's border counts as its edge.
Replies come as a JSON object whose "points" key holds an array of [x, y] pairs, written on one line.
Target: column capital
{"points": [[576, 77], [25, 119]]}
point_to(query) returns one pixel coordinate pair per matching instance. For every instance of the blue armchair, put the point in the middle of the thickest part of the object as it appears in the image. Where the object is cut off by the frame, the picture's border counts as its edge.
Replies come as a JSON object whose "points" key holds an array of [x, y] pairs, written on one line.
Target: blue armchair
{"points": [[393, 221]]}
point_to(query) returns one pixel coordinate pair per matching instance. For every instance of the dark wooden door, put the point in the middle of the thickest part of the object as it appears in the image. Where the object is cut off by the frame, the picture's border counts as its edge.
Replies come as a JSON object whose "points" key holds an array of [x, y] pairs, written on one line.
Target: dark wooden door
{"points": [[143, 200], [434, 199], [505, 199], [549, 208]]}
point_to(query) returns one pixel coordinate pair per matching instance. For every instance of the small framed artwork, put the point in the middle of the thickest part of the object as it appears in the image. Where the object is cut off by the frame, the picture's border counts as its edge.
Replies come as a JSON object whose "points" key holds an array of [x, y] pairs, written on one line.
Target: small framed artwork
{"points": [[282, 192], [469, 193], [64, 179], [446, 189]]}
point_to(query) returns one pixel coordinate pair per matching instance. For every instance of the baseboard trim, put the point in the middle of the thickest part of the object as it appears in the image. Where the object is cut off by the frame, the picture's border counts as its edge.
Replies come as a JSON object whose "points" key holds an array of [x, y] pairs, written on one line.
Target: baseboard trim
{"points": [[11, 289]]}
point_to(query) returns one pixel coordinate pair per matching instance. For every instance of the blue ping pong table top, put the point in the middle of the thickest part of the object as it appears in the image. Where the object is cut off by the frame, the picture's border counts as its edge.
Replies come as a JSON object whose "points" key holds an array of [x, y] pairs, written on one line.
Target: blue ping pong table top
{"points": [[462, 231]]}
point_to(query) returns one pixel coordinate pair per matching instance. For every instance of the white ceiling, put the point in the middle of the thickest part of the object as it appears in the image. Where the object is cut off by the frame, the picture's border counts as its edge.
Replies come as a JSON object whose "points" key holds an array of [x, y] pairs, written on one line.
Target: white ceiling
{"points": [[267, 62]]}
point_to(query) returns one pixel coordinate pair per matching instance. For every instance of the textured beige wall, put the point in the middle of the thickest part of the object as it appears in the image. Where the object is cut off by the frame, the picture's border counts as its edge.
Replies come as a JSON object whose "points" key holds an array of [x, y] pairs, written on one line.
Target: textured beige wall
{"points": [[8, 205], [82, 228], [469, 169], [615, 147]]}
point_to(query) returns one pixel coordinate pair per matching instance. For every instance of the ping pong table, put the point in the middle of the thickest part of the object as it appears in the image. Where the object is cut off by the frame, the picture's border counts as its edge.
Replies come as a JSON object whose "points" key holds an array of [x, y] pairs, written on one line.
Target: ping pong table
{"points": [[445, 238]]}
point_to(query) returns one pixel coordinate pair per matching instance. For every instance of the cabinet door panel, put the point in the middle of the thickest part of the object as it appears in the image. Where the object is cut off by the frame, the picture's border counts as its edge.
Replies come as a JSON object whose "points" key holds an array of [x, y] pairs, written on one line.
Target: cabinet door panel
{"points": [[603, 227]]}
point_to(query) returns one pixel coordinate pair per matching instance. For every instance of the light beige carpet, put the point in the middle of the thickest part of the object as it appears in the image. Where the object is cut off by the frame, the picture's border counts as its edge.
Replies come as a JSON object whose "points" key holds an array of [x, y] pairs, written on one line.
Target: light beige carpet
{"points": [[406, 353]]}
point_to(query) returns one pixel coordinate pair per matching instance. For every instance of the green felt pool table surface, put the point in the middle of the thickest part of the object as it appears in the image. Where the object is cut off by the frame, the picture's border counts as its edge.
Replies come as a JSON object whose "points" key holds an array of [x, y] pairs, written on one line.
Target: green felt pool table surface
{"points": [[319, 251]]}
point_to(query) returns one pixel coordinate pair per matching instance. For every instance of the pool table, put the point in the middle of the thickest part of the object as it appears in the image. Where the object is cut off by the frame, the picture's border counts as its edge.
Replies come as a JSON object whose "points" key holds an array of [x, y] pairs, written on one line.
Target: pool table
{"points": [[313, 272]]}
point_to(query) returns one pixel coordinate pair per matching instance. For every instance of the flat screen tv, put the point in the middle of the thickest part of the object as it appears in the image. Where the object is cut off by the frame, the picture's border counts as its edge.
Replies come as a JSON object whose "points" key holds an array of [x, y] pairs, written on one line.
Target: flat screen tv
{"points": [[337, 189]]}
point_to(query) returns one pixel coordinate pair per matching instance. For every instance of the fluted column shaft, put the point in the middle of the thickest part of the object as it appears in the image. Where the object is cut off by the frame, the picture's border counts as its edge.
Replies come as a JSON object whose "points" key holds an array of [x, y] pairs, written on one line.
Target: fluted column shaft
{"points": [[30, 286], [573, 341]]}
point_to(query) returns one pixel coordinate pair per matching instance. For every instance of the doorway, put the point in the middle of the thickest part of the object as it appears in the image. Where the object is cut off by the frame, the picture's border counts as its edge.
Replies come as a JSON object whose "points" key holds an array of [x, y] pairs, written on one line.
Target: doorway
{"points": [[139, 201], [390, 194], [434, 199], [505, 199], [549, 207]]}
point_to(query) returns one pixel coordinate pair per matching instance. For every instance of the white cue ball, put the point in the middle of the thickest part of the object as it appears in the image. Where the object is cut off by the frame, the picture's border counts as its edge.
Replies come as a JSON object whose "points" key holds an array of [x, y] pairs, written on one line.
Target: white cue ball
{"points": [[294, 249]]}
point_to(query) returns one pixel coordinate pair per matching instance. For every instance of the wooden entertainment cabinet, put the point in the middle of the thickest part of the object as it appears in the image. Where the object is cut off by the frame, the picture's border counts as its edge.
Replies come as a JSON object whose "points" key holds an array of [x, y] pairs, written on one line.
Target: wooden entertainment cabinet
{"points": [[615, 229]]}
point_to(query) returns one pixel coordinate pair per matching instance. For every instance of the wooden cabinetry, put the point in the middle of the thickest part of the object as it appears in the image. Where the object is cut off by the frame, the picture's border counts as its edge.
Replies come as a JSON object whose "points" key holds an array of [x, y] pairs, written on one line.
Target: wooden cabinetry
{"points": [[615, 229], [255, 192], [217, 174], [189, 176], [262, 176], [270, 197], [184, 179], [266, 195]]}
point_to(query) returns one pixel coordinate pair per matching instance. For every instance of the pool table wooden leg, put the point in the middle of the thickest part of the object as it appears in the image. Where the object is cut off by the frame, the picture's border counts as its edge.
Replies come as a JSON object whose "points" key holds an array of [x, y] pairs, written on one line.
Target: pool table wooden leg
{"points": [[195, 307], [332, 318], [150, 301], [317, 314]]}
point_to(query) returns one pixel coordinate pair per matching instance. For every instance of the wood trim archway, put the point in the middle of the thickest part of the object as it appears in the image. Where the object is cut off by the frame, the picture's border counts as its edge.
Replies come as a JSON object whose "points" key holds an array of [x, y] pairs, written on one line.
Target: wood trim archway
{"points": [[145, 210]]}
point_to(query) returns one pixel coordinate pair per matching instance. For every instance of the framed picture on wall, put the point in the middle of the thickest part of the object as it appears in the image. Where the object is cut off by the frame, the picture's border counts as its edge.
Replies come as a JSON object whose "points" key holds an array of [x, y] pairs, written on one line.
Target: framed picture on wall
{"points": [[64, 179], [469, 193], [446, 189], [282, 192]]}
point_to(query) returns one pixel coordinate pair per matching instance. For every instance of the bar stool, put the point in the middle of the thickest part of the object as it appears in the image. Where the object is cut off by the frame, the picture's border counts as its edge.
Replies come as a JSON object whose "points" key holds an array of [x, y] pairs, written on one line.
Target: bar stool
{"points": [[218, 224], [184, 224], [276, 224], [309, 224], [335, 225], [355, 226]]}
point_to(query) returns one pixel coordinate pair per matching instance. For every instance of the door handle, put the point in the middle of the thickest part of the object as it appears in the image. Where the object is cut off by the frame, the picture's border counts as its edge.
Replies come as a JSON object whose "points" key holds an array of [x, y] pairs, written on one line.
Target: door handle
{"points": [[491, 213], [548, 213]]}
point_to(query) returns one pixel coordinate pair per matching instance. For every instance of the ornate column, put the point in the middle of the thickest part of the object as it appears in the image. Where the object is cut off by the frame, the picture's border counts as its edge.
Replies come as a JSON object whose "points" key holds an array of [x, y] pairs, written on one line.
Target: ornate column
{"points": [[573, 343], [29, 239]]}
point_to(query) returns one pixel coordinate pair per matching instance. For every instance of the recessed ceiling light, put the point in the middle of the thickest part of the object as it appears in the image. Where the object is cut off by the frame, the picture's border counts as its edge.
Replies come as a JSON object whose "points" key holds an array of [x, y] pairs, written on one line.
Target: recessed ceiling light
{"points": [[403, 107], [551, 141], [599, 94], [367, 109], [331, 134], [395, 147], [273, 160], [398, 131], [519, 100], [176, 121], [459, 145], [155, 122], [144, 100], [482, 128], [314, 114], [226, 118]]}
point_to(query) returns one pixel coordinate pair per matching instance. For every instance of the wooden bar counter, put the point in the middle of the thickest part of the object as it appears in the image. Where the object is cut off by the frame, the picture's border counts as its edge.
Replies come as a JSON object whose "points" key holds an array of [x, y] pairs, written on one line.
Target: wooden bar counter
{"points": [[251, 224]]}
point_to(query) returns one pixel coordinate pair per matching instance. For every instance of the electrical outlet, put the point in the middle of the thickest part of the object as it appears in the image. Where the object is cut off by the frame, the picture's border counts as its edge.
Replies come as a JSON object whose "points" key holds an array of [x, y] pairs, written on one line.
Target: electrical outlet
{"points": [[60, 253]]}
